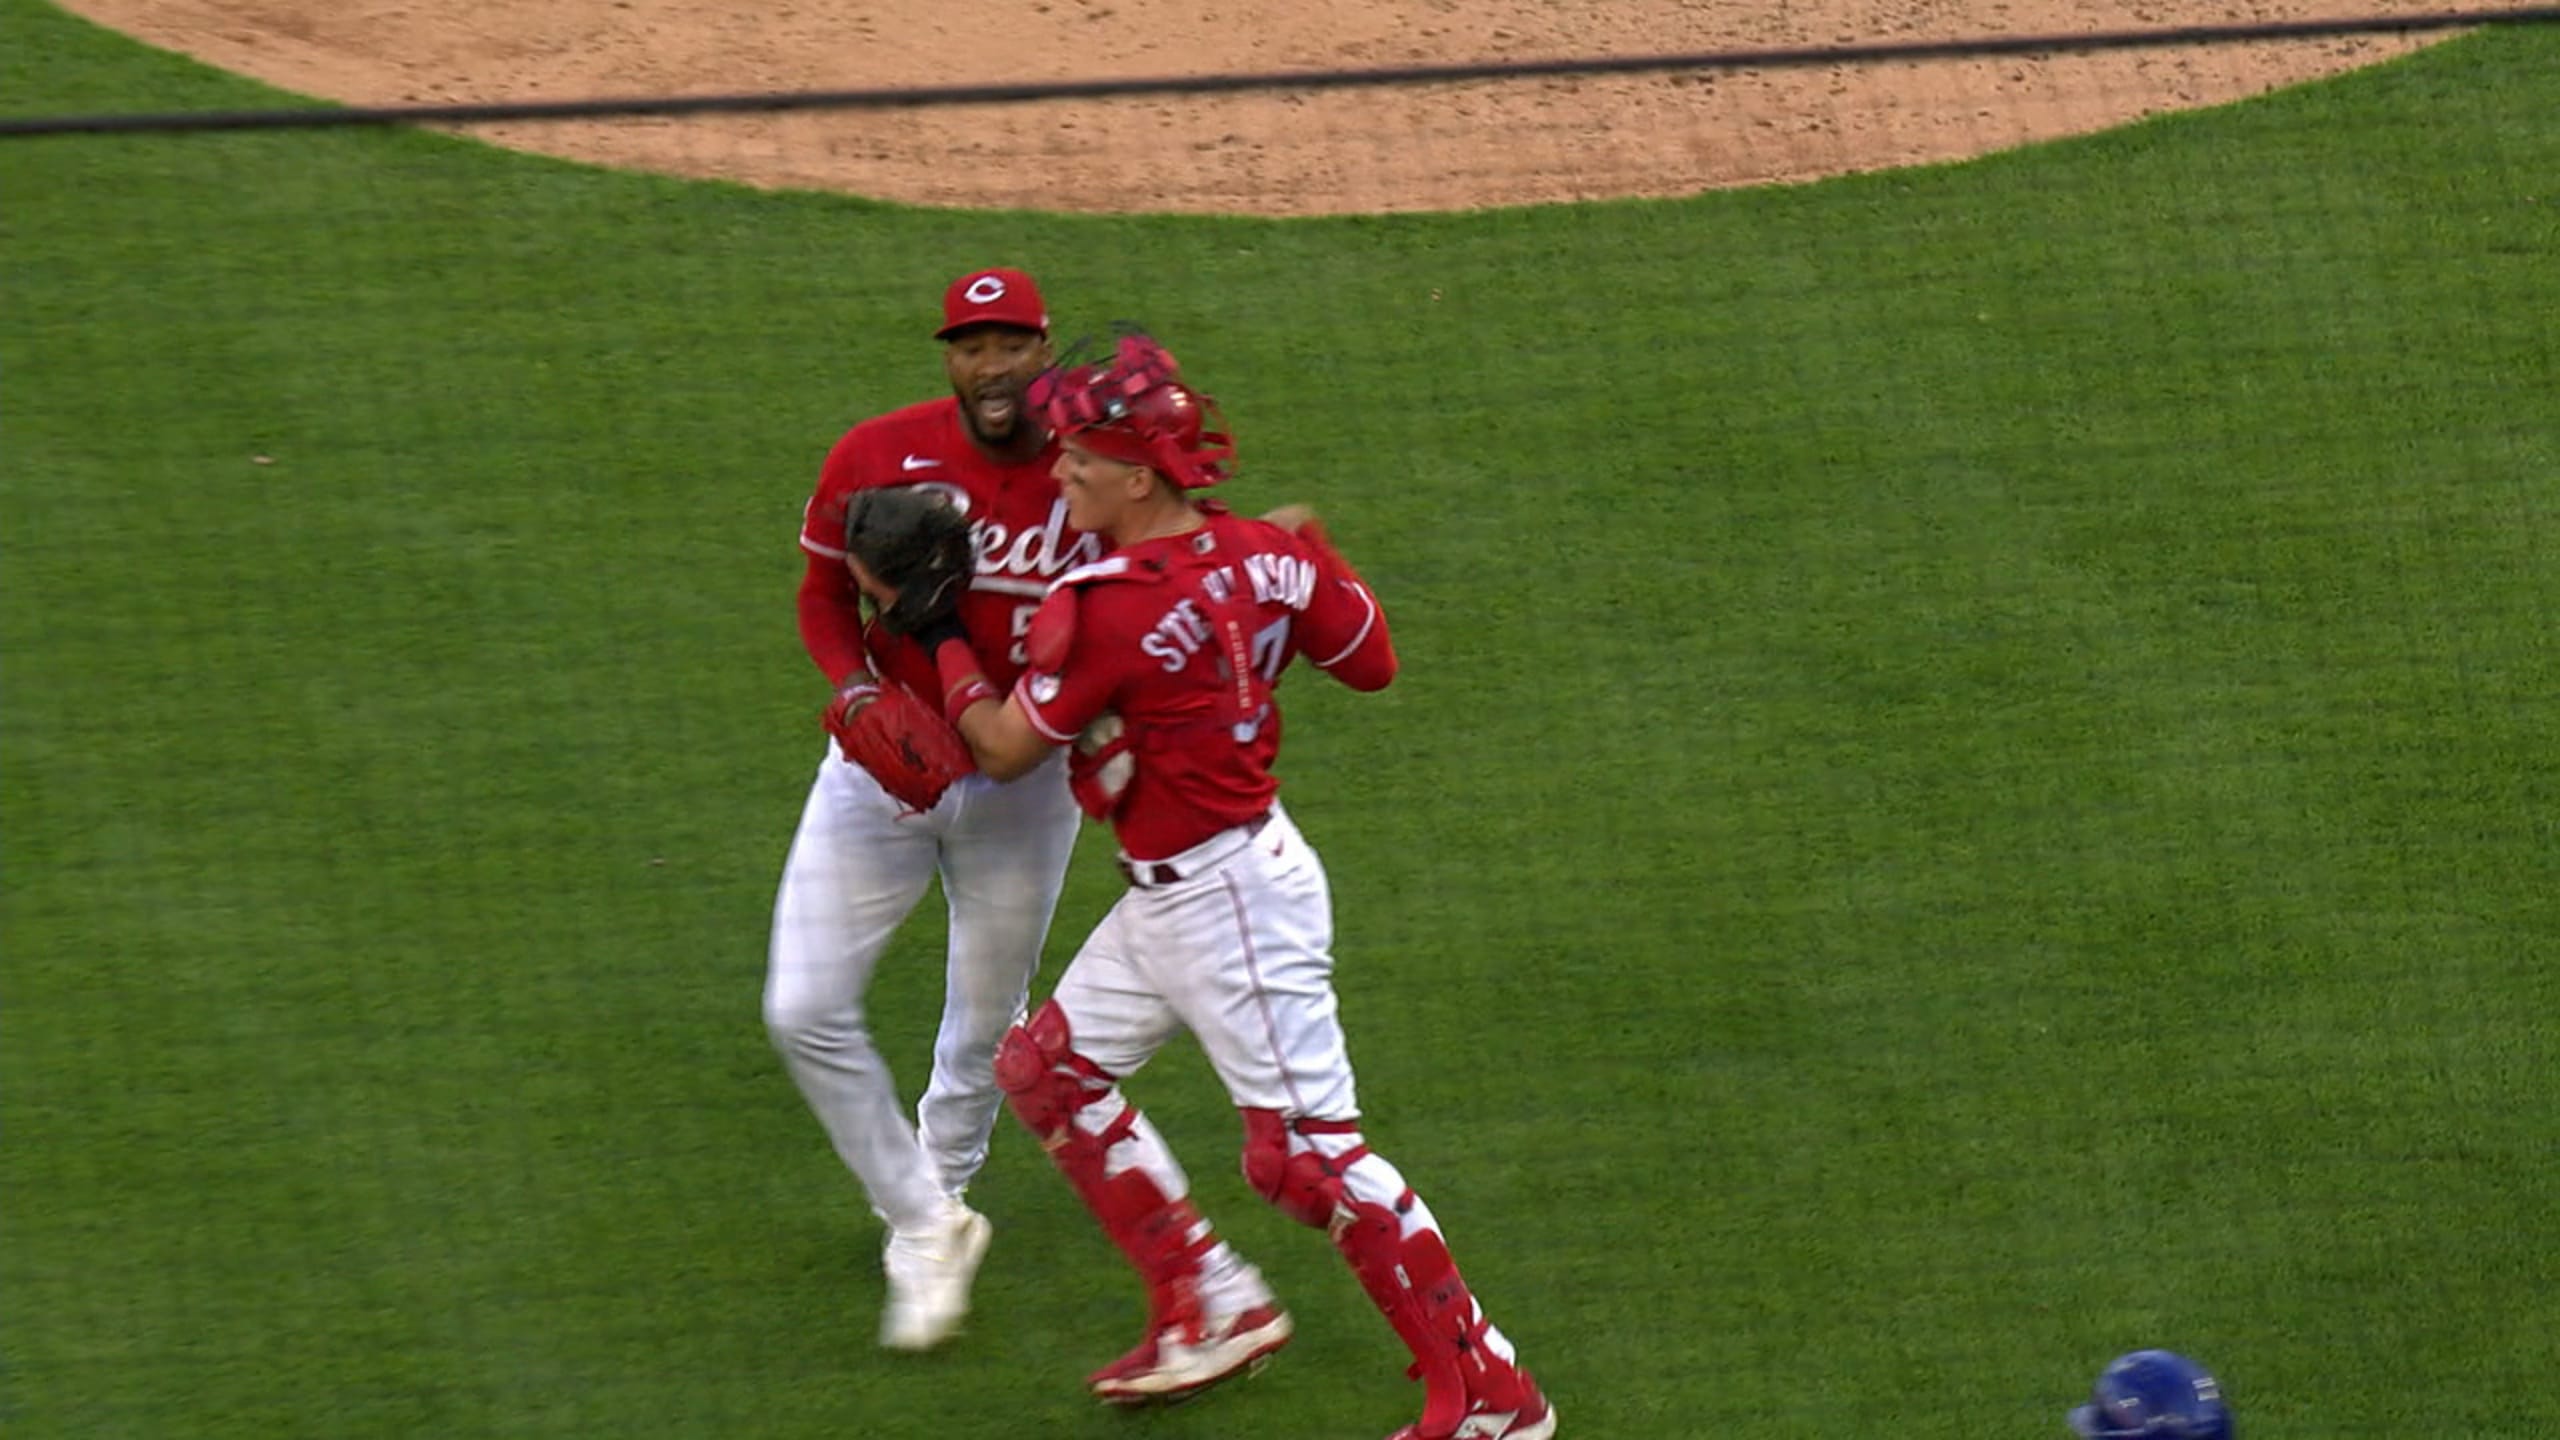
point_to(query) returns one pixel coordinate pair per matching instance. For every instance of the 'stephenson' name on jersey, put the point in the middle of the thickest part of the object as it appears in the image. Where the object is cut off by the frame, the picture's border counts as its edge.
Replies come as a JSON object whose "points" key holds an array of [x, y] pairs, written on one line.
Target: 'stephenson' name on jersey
{"points": [[1273, 580]]}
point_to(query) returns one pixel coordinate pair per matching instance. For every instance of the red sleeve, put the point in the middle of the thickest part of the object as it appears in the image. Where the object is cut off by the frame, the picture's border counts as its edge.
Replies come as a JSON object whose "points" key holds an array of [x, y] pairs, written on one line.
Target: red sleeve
{"points": [[1059, 702], [831, 619], [830, 606], [1345, 634], [822, 523], [1343, 629]]}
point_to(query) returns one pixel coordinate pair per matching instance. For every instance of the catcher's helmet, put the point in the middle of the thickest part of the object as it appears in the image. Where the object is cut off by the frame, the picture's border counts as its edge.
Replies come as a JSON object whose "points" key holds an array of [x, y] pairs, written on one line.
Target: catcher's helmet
{"points": [[1132, 406], [2154, 1395]]}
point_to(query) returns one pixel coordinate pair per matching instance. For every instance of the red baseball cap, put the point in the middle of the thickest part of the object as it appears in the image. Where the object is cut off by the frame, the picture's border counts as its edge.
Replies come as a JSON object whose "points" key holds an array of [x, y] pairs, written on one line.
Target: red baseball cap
{"points": [[993, 297]]}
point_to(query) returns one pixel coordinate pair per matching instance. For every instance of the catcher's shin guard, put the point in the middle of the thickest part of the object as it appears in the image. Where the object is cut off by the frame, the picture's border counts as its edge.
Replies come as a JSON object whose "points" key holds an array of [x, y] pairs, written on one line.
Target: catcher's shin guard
{"points": [[1466, 1368], [1321, 1172], [1048, 1085]]}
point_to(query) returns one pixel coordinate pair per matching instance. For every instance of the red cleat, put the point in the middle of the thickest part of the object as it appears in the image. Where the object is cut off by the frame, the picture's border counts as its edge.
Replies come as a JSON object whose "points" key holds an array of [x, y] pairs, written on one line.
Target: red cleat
{"points": [[1180, 1361], [1533, 1419]]}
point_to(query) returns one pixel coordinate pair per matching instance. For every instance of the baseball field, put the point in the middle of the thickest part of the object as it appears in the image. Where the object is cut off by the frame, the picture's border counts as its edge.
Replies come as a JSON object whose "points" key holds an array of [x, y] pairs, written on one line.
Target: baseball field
{"points": [[1973, 787]]}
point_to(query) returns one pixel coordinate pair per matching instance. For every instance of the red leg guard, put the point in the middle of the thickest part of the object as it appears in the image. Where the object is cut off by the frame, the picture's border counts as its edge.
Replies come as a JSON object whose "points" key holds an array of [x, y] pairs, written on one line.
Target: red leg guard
{"points": [[1416, 1284], [1371, 1237], [1303, 1185], [1047, 1084]]}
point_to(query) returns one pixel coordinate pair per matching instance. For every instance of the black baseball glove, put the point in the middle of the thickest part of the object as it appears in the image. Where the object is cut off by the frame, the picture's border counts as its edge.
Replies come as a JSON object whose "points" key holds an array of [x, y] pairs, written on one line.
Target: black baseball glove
{"points": [[915, 541]]}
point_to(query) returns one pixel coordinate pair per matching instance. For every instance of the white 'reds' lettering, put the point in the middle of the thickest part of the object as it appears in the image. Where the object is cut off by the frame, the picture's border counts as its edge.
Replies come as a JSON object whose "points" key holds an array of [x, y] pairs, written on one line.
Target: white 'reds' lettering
{"points": [[1037, 552], [1178, 636]]}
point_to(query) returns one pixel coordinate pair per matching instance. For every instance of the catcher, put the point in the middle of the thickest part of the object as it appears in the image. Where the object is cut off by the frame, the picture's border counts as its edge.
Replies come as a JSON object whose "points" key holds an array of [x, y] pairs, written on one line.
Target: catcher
{"points": [[953, 497], [1156, 671]]}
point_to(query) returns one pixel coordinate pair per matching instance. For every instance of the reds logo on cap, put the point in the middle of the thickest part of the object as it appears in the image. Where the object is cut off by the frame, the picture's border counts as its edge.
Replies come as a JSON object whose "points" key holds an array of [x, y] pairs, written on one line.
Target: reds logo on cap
{"points": [[993, 297]]}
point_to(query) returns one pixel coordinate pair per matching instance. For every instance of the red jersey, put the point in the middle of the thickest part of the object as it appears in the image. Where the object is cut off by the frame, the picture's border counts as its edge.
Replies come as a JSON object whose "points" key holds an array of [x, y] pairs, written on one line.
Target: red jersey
{"points": [[1156, 628], [1015, 515]]}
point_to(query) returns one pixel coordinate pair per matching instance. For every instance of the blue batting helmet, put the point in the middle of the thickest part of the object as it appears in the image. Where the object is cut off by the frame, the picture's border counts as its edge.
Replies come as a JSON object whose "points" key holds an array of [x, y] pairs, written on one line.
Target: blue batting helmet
{"points": [[2154, 1395]]}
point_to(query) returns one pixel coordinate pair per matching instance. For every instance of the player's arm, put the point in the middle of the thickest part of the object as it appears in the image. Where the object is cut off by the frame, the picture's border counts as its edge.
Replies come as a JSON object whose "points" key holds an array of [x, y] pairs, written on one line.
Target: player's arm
{"points": [[830, 602], [831, 622], [1001, 738], [1344, 629]]}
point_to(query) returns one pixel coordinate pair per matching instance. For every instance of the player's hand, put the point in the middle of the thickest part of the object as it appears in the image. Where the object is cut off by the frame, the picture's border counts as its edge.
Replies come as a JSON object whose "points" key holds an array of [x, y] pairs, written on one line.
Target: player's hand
{"points": [[1301, 521]]}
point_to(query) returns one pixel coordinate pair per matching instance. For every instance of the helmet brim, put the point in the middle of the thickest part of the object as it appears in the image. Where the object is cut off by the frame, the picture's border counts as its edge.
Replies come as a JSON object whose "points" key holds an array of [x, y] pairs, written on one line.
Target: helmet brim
{"points": [[1112, 442]]}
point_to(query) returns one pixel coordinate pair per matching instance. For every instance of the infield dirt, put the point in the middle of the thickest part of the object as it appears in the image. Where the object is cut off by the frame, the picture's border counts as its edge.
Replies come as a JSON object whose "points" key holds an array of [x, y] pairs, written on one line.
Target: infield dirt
{"points": [[1357, 150]]}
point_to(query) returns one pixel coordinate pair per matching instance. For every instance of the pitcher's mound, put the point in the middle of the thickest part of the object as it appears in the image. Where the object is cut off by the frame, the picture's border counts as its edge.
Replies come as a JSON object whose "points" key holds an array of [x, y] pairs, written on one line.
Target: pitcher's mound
{"points": [[1402, 148]]}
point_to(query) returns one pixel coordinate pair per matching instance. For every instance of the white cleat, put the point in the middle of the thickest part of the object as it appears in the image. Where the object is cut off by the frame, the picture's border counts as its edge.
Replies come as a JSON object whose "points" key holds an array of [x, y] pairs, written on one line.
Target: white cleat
{"points": [[929, 1273]]}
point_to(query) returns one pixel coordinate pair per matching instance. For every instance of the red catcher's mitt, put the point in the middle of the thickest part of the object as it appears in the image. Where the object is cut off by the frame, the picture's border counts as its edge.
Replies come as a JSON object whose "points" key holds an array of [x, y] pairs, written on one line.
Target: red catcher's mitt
{"points": [[906, 745]]}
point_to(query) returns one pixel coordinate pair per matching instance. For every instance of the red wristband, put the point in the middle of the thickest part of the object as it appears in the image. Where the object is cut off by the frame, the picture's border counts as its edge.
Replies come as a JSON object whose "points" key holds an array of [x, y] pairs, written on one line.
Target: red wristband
{"points": [[956, 701]]}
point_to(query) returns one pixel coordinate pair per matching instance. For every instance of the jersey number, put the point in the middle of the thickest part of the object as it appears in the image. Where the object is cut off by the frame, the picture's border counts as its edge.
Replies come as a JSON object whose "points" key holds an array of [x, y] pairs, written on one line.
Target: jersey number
{"points": [[1021, 651], [1271, 649]]}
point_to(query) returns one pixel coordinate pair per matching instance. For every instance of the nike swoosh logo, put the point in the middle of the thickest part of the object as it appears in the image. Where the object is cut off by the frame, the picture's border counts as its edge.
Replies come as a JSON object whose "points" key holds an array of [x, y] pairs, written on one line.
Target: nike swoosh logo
{"points": [[1476, 1426], [917, 462]]}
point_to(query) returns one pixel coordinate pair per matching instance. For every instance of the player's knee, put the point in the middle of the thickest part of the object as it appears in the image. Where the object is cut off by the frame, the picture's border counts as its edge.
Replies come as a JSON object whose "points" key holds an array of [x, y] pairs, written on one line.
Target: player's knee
{"points": [[979, 1004], [1019, 1063], [1033, 1048], [1043, 1078], [1266, 1153], [1300, 1184], [802, 1023]]}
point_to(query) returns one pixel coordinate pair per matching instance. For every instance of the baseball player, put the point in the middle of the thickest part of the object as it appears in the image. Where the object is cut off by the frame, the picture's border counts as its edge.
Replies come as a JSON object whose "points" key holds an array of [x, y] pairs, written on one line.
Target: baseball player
{"points": [[863, 855], [1155, 667]]}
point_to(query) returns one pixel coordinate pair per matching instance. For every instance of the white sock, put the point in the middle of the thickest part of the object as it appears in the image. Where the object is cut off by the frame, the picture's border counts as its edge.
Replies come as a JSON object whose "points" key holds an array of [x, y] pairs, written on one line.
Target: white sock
{"points": [[1229, 1285]]}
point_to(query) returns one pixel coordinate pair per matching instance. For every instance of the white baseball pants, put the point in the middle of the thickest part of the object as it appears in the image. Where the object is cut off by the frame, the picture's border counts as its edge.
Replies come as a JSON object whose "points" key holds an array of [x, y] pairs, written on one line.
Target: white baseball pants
{"points": [[855, 872], [1239, 951]]}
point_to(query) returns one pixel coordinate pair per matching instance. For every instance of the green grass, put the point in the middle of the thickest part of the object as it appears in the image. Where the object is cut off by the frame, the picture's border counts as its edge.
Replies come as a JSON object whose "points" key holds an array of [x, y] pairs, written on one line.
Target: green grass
{"points": [[1972, 788]]}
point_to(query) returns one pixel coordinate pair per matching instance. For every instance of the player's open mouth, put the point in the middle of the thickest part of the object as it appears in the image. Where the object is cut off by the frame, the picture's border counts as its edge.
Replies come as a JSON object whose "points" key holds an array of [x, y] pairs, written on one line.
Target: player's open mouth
{"points": [[995, 409]]}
